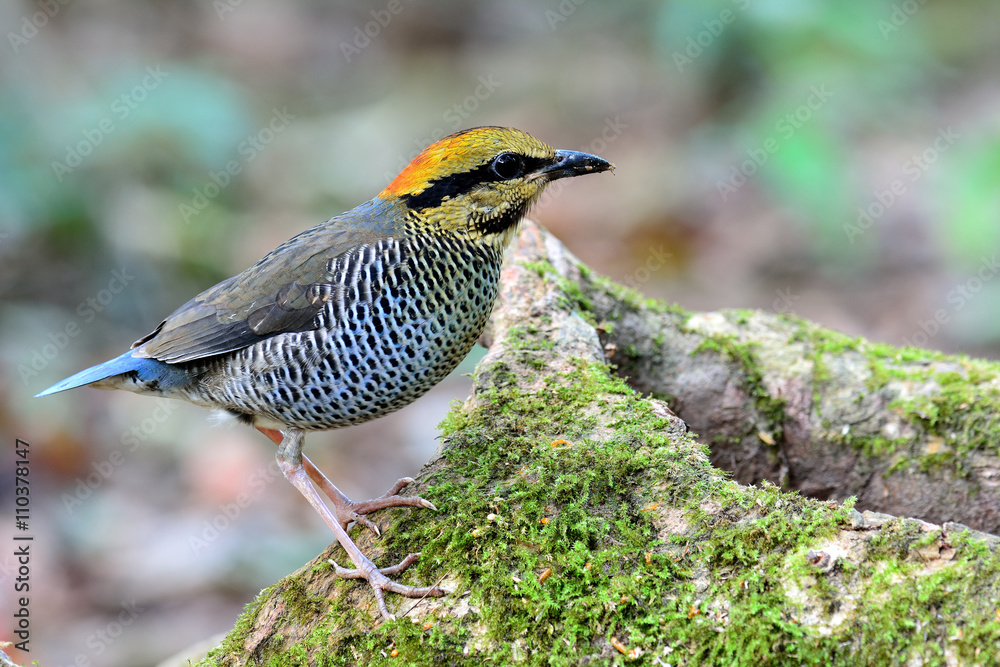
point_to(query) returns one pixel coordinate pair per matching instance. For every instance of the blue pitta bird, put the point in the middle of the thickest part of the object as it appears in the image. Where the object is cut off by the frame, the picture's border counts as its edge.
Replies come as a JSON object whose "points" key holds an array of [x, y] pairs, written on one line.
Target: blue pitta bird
{"points": [[354, 318]]}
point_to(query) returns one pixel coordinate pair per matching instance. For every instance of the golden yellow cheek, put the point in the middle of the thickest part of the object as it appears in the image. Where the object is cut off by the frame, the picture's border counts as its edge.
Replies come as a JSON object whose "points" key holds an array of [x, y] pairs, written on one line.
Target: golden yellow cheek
{"points": [[486, 201]]}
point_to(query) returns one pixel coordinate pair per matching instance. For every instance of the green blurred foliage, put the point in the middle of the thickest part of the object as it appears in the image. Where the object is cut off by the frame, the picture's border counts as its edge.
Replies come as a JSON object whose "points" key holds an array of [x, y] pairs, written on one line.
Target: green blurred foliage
{"points": [[883, 62]]}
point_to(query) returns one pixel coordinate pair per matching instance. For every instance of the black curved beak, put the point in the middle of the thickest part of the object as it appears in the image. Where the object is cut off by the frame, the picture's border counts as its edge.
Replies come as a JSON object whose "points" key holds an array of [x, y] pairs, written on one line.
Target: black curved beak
{"points": [[573, 163]]}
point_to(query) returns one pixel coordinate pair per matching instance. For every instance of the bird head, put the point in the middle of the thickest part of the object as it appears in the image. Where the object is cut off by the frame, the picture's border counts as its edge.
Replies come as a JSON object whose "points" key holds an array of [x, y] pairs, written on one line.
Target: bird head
{"points": [[479, 183]]}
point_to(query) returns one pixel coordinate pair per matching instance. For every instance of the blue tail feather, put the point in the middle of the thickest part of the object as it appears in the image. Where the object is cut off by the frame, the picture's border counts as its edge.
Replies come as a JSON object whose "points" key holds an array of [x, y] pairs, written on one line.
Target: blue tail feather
{"points": [[166, 376]]}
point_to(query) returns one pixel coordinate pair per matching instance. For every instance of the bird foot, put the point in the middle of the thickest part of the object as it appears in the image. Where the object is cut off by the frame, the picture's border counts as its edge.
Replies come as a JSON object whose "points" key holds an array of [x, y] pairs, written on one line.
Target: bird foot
{"points": [[300, 471], [356, 510], [380, 582]]}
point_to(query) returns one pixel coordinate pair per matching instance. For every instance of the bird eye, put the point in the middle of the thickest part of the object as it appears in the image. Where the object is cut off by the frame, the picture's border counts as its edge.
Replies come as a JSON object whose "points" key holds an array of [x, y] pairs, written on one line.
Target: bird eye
{"points": [[507, 165]]}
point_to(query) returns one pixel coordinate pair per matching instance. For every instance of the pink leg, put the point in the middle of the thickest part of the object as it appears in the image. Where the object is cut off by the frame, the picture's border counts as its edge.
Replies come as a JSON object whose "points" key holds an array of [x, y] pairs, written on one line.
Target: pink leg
{"points": [[290, 461], [349, 510]]}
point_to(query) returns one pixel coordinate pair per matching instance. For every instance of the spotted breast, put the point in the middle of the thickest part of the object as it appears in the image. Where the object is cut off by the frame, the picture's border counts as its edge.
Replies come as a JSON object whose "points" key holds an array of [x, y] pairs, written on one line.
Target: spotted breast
{"points": [[400, 314]]}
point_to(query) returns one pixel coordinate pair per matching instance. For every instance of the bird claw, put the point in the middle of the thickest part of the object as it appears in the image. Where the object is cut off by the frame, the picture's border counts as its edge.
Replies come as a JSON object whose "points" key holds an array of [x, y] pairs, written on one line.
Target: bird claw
{"points": [[356, 510], [362, 520], [378, 579], [392, 494], [400, 484], [358, 573], [303, 474]]}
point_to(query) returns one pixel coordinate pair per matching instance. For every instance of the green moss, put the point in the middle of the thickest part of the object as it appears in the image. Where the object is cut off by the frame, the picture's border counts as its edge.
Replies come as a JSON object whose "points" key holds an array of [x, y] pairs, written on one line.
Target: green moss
{"points": [[508, 465], [959, 416], [300, 602], [626, 297], [963, 413], [740, 316], [823, 340], [571, 295], [950, 597], [578, 297], [771, 409], [233, 642]]}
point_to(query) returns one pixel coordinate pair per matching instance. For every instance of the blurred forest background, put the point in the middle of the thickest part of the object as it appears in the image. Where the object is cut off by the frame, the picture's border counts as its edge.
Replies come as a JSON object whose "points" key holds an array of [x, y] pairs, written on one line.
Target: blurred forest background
{"points": [[838, 159]]}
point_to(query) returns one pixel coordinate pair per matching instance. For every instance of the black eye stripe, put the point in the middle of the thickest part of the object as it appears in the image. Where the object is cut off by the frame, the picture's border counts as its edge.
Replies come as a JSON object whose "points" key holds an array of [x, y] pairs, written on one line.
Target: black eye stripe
{"points": [[462, 183]]}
